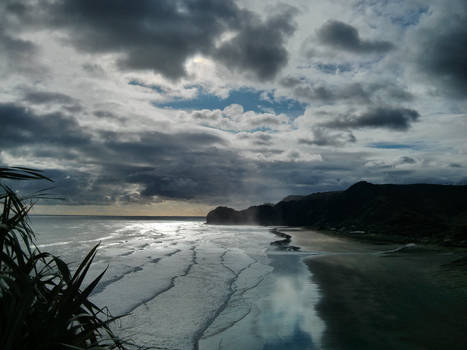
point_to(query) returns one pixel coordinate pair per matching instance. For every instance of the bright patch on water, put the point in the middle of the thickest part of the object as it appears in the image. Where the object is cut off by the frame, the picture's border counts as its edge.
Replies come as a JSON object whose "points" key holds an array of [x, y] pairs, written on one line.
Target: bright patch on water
{"points": [[189, 285]]}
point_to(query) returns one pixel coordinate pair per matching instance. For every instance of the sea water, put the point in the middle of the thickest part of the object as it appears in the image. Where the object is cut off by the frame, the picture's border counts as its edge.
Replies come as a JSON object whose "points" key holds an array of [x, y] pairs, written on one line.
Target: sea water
{"points": [[187, 285], [184, 284]]}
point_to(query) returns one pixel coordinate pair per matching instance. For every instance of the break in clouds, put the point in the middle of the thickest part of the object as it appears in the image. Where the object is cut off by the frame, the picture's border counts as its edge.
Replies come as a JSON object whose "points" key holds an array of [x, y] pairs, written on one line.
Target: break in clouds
{"points": [[231, 102]]}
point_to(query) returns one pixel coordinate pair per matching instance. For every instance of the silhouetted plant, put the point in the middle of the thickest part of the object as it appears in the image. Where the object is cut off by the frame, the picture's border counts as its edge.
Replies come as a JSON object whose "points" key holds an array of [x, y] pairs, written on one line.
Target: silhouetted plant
{"points": [[43, 305]]}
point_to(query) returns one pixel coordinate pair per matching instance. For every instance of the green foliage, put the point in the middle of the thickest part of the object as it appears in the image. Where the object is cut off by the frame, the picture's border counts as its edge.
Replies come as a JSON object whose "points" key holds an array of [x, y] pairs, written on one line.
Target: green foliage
{"points": [[44, 305]]}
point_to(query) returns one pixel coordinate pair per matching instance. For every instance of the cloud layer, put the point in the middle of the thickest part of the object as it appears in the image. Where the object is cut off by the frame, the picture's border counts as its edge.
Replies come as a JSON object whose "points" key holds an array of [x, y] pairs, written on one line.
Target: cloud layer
{"points": [[162, 35], [231, 102]]}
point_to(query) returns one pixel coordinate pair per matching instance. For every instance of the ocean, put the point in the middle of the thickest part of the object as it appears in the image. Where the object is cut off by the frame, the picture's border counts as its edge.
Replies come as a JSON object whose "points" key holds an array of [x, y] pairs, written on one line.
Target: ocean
{"points": [[187, 285]]}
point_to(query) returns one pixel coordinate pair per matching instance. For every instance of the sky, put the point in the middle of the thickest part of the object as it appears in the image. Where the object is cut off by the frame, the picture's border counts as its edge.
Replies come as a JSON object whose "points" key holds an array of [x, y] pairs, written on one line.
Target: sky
{"points": [[173, 107]]}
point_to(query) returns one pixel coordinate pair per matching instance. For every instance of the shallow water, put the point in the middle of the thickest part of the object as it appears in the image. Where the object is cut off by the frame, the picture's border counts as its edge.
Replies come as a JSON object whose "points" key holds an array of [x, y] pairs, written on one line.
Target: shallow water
{"points": [[188, 285], [379, 296]]}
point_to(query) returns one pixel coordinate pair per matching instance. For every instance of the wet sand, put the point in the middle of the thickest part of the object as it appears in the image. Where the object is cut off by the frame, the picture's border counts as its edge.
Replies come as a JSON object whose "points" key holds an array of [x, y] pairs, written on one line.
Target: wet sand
{"points": [[387, 296]]}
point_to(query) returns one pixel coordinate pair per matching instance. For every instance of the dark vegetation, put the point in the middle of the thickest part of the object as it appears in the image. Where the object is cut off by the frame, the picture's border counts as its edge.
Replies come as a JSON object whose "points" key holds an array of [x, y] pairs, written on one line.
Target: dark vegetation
{"points": [[423, 212], [44, 305]]}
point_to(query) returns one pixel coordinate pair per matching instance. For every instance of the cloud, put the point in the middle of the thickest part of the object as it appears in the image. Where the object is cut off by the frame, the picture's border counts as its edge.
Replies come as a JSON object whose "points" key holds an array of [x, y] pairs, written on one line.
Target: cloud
{"points": [[138, 103], [354, 93], [329, 94], [44, 97], [441, 48], [235, 118], [162, 35], [342, 36], [406, 160], [181, 165], [259, 47], [22, 127], [399, 119], [17, 54], [323, 137]]}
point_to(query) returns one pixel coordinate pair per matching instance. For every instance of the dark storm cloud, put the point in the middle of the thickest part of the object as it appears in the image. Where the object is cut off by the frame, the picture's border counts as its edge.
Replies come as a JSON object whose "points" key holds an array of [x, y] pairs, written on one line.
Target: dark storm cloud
{"points": [[20, 126], [157, 35], [442, 50], [259, 47], [162, 35], [399, 119], [345, 37], [103, 165], [183, 165]]}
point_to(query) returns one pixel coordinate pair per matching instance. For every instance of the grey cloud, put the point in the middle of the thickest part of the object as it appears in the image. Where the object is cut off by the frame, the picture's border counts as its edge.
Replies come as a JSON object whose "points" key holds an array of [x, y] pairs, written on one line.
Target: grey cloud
{"points": [[322, 137], [323, 93], [207, 115], [376, 92], [94, 69], [162, 35], [155, 35], [259, 47], [290, 82], [106, 115], [406, 160], [262, 139], [441, 50], [345, 37], [17, 49], [20, 126], [399, 119], [150, 166], [233, 117], [44, 97], [180, 166], [17, 54]]}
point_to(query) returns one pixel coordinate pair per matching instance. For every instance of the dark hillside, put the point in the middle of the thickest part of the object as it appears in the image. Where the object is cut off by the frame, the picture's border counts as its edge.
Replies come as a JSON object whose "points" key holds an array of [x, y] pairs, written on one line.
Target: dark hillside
{"points": [[418, 211]]}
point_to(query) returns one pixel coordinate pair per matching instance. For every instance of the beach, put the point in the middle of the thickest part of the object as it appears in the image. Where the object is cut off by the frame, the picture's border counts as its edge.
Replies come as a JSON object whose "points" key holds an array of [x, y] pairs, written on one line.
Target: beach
{"points": [[188, 285], [387, 296]]}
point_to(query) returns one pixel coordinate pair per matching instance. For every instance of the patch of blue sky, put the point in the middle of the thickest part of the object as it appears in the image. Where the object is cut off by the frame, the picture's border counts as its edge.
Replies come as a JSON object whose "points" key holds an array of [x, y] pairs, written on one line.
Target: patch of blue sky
{"points": [[251, 100], [156, 88], [387, 145], [410, 18], [331, 68], [334, 68]]}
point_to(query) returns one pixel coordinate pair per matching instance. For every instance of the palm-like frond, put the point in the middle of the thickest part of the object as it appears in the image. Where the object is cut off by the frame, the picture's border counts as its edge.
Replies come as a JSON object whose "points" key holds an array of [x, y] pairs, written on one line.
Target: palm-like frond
{"points": [[43, 305]]}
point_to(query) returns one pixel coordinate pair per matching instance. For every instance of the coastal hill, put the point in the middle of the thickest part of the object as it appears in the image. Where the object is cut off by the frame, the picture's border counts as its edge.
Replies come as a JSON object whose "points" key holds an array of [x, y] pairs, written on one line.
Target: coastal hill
{"points": [[419, 211]]}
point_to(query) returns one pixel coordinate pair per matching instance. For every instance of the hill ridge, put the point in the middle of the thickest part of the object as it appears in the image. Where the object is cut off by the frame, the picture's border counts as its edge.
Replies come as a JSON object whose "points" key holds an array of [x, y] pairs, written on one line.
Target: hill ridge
{"points": [[416, 211]]}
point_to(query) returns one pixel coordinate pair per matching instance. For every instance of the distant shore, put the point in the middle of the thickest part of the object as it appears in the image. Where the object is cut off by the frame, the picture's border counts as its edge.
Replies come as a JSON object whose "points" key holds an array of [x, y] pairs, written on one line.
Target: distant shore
{"points": [[385, 238], [301, 237], [423, 213]]}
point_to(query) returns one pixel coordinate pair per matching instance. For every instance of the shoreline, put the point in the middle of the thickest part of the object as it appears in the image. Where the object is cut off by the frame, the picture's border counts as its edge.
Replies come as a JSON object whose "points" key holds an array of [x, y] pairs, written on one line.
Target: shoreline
{"points": [[373, 291], [378, 238]]}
